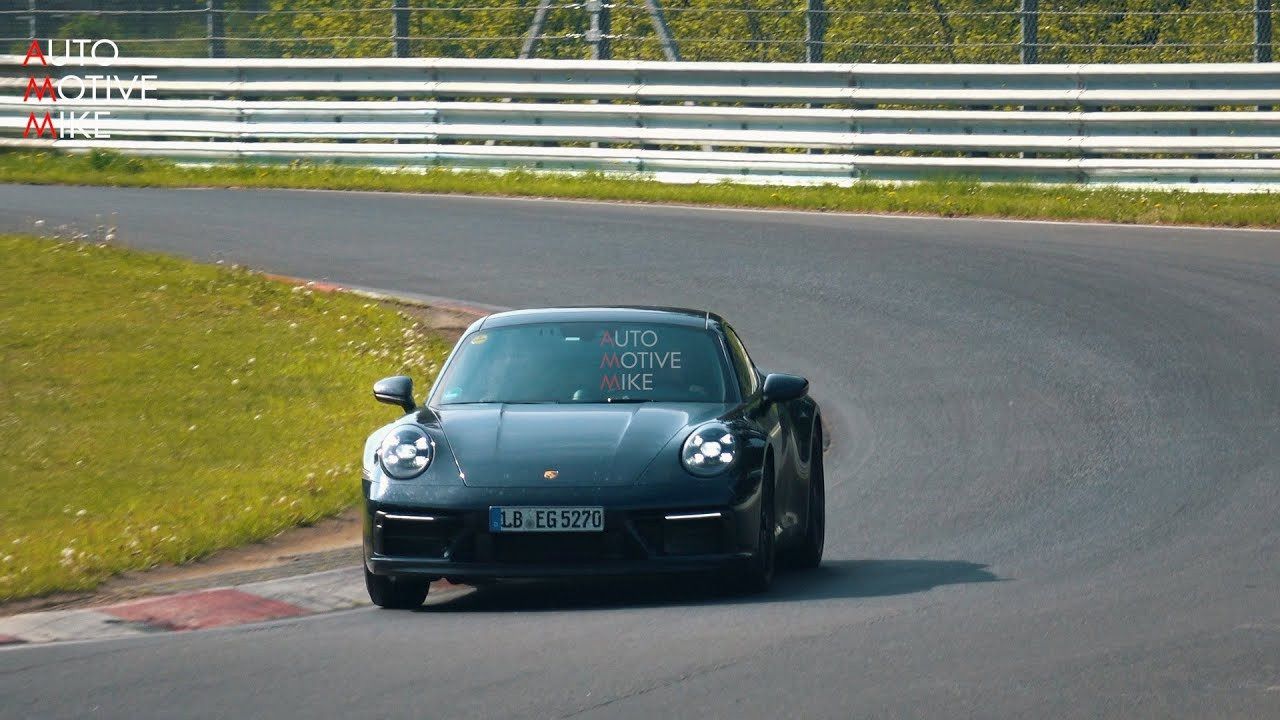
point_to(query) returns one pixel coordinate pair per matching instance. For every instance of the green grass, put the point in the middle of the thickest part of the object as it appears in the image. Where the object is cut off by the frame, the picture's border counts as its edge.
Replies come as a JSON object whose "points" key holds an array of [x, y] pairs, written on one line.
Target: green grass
{"points": [[947, 198], [153, 410]]}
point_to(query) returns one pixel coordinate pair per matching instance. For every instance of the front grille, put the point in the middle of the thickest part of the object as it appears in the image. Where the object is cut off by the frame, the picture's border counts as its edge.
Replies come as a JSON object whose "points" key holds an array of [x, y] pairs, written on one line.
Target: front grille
{"points": [[703, 536], [535, 548], [649, 528], [416, 538], [692, 537], [463, 537]]}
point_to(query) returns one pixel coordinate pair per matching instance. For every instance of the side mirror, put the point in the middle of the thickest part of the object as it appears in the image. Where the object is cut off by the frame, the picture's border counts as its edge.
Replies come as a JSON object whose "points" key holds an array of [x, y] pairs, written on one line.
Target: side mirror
{"points": [[780, 387], [397, 390]]}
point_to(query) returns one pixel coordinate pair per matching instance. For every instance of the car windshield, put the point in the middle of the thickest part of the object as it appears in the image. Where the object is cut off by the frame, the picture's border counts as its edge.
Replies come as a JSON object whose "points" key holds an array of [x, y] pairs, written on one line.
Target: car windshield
{"points": [[587, 362]]}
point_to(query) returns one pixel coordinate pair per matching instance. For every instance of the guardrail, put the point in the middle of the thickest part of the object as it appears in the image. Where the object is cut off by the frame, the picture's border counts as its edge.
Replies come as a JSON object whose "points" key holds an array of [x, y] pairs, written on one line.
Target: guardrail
{"points": [[1171, 124]]}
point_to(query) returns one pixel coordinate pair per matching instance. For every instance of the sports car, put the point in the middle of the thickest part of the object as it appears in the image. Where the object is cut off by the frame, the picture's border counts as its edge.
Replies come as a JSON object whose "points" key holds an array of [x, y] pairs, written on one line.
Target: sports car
{"points": [[568, 442]]}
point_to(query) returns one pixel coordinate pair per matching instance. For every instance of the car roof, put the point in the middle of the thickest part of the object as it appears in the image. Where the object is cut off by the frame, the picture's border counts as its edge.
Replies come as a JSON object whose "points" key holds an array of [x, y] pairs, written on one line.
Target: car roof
{"points": [[618, 313]]}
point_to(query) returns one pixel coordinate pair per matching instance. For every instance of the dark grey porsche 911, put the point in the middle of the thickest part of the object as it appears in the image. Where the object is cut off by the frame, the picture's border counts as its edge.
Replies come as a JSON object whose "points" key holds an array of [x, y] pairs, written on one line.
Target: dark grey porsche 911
{"points": [[593, 441]]}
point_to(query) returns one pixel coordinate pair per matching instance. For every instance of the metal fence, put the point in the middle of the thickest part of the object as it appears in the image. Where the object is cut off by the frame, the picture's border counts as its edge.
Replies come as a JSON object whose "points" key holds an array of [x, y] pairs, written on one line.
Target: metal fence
{"points": [[1204, 124], [894, 31]]}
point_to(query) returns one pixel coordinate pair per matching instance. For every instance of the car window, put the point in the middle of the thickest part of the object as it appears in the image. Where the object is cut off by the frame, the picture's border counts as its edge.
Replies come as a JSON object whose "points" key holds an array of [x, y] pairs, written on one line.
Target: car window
{"points": [[587, 362], [742, 365]]}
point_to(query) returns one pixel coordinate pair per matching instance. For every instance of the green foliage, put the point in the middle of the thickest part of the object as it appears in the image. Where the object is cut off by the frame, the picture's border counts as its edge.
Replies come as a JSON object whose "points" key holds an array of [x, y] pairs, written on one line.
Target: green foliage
{"points": [[327, 28], [91, 26], [1131, 31], [152, 35], [104, 160], [903, 31], [774, 30], [153, 410]]}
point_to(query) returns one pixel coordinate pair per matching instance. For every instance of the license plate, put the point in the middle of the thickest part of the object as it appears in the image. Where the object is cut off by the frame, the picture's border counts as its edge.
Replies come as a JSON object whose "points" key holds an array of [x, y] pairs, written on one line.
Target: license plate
{"points": [[546, 519]]}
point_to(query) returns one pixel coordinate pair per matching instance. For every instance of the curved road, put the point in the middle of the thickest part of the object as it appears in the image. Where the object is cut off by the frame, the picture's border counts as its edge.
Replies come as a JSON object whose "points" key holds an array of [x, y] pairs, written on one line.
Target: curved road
{"points": [[1055, 472]]}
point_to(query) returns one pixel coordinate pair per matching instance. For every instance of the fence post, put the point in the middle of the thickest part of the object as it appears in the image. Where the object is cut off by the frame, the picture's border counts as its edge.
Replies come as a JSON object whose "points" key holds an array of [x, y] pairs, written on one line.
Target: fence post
{"points": [[1262, 31], [33, 22], [400, 28], [815, 30], [669, 48], [215, 28], [1029, 14], [530, 45], [598, 32]]}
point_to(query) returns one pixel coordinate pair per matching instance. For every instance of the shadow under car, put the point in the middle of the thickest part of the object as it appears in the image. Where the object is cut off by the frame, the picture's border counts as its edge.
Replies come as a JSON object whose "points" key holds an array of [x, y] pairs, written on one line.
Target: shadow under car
{"points": [[834, 579]]}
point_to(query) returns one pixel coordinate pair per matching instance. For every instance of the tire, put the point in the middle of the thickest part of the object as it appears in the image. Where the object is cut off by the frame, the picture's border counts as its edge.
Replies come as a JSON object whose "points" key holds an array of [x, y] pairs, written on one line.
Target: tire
{"points": [[809, 553], [395, 593], [757, 577]]}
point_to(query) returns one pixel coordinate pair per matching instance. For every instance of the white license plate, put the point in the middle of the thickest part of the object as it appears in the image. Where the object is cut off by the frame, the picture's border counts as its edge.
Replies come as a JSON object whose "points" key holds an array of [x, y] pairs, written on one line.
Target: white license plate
{"points": [[546, 519]]}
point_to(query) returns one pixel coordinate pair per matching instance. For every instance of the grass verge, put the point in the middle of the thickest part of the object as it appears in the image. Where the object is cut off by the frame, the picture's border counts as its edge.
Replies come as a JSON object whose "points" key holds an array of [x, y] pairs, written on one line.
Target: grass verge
{"points": [[153, 410], [947, 198]]}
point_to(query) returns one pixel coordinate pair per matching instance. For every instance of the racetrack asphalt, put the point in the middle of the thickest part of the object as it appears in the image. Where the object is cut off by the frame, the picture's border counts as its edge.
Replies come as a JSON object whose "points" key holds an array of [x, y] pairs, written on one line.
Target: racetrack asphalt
{"points": [[1054, 480]]}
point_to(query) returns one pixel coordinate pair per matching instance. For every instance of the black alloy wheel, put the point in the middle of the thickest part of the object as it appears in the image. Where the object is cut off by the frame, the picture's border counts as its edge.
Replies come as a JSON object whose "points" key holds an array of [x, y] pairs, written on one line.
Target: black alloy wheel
{"points": [[809, 554], [758, 576]]}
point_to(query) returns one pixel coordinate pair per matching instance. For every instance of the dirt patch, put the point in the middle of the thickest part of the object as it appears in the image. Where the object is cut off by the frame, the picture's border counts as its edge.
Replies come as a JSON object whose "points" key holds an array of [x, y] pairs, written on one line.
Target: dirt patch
{"points": [[447, 323]]}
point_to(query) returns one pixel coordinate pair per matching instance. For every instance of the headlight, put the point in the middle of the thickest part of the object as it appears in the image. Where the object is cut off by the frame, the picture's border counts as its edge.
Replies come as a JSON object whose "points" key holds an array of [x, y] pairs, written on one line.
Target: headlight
{"points": [[405, 452], [709, 450]]}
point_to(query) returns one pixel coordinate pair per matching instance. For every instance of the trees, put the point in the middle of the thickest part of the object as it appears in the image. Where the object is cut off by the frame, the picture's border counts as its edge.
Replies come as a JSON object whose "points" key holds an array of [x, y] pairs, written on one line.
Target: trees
{"points": [[774, 30], [759, 30]]}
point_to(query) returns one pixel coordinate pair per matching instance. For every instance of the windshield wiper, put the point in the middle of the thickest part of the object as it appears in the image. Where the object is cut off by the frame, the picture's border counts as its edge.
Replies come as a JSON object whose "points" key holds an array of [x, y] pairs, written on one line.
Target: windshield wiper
{"points": [[532, 402], [505, 402], [627, 400]]}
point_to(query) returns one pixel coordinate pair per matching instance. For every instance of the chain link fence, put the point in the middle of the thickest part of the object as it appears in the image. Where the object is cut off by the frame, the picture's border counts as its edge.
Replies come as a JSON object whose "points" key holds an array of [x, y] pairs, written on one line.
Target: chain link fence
{"points": [[885, 31]]}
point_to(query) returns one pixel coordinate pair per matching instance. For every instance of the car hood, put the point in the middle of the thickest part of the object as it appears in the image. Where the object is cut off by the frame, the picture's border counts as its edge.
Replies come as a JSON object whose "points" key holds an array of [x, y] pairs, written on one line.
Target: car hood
{"points": [[499, 445]]}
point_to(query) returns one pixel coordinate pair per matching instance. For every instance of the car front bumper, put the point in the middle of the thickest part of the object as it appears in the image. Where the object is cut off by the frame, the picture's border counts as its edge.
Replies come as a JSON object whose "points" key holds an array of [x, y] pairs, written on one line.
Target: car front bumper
{"points": [[693, 528]]}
